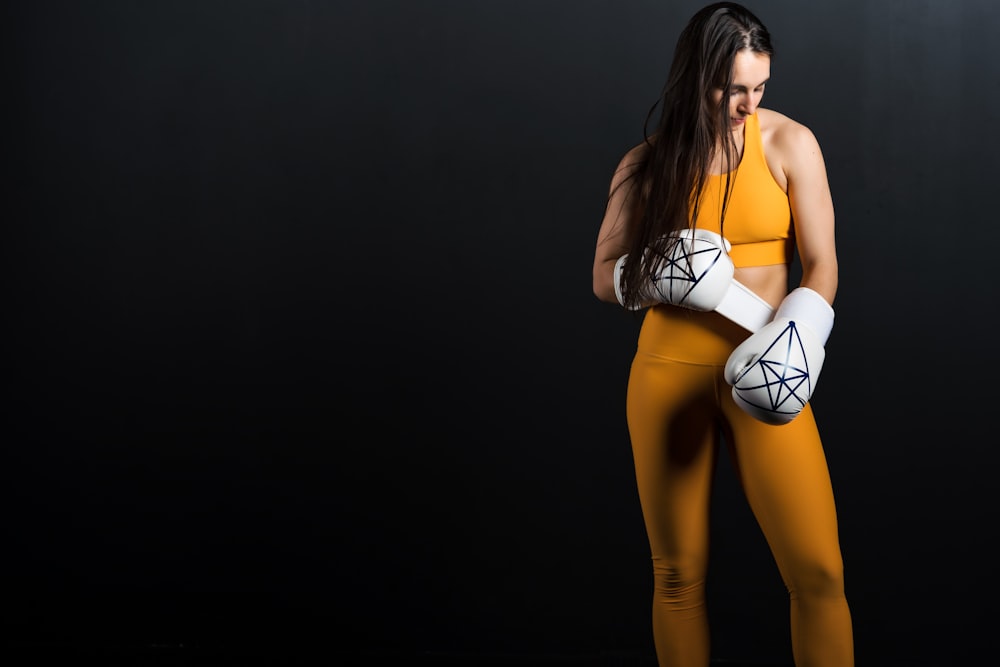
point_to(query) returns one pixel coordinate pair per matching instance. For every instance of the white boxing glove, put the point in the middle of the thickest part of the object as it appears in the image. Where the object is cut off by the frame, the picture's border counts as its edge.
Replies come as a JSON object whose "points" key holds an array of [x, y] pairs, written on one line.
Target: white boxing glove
{"points": [[694, 273], [774, 372]]}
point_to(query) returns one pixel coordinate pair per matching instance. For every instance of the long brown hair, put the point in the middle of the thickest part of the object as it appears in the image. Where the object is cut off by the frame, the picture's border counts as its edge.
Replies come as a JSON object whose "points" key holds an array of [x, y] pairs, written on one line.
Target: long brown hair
{"points": [[678, 154]]}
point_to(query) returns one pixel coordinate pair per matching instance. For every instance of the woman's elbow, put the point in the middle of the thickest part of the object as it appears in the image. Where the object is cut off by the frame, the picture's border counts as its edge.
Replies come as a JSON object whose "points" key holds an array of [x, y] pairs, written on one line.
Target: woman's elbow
{"points": [[604, 288]]}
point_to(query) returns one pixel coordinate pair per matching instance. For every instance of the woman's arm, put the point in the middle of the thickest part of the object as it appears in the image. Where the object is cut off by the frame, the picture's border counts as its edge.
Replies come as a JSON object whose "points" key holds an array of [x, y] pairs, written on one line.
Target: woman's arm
{"points": [[812, 208], [616, 228]]}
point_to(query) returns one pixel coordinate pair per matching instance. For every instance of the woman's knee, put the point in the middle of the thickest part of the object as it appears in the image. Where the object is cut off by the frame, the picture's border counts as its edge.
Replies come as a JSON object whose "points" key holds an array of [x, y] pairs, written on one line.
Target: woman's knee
{"points": [[678, 583], [822, 578]]}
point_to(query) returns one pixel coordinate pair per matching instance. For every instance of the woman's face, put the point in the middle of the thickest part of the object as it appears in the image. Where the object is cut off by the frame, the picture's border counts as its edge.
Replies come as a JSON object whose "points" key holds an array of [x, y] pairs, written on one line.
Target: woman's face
{"points": [[751, 71]]}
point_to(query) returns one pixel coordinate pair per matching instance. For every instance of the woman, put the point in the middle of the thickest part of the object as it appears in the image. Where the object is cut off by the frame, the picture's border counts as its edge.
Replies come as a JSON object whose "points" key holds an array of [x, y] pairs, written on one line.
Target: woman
{"points": [[711, 275]]}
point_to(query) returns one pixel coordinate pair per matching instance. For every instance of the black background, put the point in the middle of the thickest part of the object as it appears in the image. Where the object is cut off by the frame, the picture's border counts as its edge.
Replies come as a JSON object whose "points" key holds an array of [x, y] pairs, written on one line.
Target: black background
{"points": [[302, 349]]}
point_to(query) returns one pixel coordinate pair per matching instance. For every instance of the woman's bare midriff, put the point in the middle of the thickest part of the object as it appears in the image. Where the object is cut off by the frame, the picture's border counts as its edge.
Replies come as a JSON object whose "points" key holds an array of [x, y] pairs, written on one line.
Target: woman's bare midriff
{"points": [[768, 282]]}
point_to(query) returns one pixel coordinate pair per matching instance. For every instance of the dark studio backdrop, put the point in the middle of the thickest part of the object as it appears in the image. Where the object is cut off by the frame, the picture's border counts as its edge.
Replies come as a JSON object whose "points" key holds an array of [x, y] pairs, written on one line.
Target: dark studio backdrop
{"points": [[303, 355]]}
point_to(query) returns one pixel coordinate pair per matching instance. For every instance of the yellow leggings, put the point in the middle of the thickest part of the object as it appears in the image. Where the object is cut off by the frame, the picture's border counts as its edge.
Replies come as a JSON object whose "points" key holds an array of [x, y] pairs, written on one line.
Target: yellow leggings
{"points": [[678, 406]]}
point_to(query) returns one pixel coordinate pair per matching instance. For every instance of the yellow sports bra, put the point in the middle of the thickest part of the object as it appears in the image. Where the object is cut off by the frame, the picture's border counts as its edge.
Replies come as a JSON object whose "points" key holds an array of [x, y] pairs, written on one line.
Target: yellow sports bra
{"points": [[758, 220]]}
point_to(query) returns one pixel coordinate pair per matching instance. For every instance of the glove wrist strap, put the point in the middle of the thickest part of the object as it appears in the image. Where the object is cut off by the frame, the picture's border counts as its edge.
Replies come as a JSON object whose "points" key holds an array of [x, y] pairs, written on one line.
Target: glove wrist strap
{"points": [[808, 308]]}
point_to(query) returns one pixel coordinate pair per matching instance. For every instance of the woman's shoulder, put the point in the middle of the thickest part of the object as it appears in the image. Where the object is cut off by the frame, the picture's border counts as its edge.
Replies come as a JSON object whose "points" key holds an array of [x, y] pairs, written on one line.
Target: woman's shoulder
{"points": [[634, 157], [783, 133], [639, 152], [775, 122]]}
